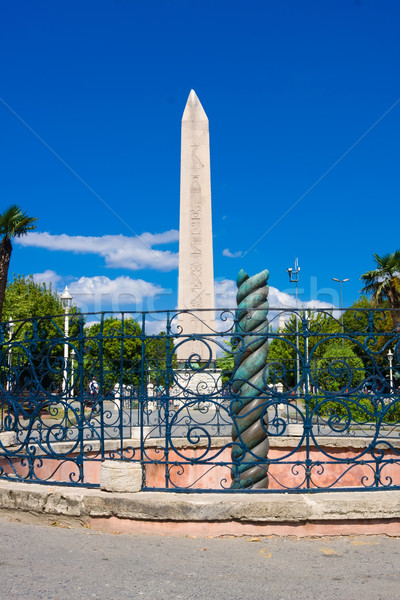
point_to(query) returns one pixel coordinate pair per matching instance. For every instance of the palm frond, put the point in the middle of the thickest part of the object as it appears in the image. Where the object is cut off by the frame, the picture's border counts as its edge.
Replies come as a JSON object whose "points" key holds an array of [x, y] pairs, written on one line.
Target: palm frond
{"points": [[383, 283], [370, 277], [15, 223]]}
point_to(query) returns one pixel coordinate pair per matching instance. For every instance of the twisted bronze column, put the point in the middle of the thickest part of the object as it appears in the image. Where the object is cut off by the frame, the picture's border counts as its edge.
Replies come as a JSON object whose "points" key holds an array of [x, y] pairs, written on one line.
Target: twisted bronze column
{"points": [[250, 419]]}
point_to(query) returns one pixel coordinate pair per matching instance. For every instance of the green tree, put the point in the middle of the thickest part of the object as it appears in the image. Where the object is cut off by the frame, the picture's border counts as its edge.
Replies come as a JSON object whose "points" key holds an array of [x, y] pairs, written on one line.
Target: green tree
{"points": [[13, 224], [282, 354], [340, 369], [226, 362], [25, 298], [29, 303], [356, 317], [369, 329], [38, 337], [113, 351], [156, 350], [383, 283]]}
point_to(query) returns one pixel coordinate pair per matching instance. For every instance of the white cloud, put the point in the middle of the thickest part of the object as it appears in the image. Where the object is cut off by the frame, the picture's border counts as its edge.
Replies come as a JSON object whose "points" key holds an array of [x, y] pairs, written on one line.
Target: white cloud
{"points": [[283, 300], [155, 326], [225, 293], [230, 254], [48, 277], [278, 299], [90, 323], [100, 291], [119, 251], [225, 297]]}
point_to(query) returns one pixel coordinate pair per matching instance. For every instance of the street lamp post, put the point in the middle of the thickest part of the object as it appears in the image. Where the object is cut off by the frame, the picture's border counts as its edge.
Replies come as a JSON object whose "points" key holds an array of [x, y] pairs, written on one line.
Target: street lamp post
{"points": [[294, 278], [72, 372], [66, 300], [341, 282], [11, 326], [390, 357], [306, 317]]}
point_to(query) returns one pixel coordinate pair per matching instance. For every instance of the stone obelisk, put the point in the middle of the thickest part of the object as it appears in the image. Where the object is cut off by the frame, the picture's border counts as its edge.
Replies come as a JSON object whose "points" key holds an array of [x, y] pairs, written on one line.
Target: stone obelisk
{"points": [[196, 267]]}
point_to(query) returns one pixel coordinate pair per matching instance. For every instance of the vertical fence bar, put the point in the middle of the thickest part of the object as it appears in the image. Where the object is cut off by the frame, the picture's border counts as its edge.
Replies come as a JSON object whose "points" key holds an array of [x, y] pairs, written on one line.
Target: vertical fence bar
{"points": [[122, 405], [168, 374], [306, 375], [81, 397], [143, 383], [99, 399]]}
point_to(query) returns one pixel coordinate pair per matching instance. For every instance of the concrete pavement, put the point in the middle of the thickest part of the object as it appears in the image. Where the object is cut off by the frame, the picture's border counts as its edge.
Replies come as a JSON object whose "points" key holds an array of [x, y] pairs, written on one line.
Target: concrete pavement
{"points": [[40, 562]]}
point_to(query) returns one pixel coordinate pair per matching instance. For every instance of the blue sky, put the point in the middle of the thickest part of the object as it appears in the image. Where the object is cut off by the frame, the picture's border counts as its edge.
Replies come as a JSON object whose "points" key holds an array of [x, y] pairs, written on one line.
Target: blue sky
{"points": [[304, 127]]}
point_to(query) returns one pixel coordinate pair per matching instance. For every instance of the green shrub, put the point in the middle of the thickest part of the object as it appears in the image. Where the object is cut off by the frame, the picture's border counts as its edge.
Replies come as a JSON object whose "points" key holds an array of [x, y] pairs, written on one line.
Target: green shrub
{"points": [[359, 409], [340, 369]]}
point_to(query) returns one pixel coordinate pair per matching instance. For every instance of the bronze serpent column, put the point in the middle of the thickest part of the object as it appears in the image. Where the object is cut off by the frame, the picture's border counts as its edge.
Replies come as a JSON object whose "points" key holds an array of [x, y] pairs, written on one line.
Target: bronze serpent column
{"points": [[250, 419]]}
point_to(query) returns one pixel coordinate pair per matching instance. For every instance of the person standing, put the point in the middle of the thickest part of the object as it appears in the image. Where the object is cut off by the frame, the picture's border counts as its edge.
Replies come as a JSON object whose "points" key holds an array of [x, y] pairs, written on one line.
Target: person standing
{"points": [[93, 389]]}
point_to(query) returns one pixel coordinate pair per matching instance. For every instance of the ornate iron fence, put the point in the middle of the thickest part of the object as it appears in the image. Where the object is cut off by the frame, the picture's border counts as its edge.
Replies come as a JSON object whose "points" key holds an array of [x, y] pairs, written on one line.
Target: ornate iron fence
{"points": [[328, 401]]}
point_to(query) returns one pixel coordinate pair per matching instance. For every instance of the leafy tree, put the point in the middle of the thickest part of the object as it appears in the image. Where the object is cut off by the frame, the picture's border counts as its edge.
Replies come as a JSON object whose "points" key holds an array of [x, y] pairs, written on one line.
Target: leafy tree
{"points": [[38, 333], [355, 318], [156, 349], [282, 354], [25, 298], [383, 283], [13, 224], [226, 362], [342, 372], [340, 369], [368, 328], [113, 351]]}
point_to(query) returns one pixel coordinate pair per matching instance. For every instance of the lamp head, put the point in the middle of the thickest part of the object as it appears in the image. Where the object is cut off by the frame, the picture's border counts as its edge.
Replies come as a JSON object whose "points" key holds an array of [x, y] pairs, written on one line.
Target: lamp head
{"points": [[66, 299], [11, 325]]}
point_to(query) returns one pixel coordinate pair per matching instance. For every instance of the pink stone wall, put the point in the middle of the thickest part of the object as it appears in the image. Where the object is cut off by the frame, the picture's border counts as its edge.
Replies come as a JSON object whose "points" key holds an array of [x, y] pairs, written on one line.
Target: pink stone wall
{"points": [[51, 469], [282, 475], [214, 529]]}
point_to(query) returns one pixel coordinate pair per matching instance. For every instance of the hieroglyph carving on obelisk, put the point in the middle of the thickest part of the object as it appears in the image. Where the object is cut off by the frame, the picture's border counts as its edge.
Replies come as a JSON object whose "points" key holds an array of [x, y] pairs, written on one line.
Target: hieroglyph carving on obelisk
{"points": [[196, 269]]}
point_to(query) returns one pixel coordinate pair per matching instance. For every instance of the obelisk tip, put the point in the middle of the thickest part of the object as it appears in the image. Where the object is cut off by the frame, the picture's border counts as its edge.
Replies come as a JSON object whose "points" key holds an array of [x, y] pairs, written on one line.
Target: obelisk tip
{"points": [[193, 99], [193, 109]]}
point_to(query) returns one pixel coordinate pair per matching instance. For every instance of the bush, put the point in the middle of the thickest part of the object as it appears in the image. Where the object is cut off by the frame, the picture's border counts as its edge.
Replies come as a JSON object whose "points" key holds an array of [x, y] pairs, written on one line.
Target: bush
{"points": [[358, 409], [340, 369]]}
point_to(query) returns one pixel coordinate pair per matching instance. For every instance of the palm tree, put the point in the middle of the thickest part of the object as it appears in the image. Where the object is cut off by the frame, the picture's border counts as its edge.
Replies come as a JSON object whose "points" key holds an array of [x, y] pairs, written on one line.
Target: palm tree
{"points": [[13, 224], [384, 283]]}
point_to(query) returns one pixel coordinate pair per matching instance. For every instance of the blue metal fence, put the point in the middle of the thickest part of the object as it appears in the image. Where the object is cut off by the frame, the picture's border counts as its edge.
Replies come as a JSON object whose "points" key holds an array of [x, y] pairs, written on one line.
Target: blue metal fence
{"points": [[330, 400]]}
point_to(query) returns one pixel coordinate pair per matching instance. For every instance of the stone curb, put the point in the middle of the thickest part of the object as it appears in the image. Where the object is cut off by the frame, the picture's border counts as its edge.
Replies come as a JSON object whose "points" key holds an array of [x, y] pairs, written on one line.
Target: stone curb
{"points": [[339, 443], [86, 504]]}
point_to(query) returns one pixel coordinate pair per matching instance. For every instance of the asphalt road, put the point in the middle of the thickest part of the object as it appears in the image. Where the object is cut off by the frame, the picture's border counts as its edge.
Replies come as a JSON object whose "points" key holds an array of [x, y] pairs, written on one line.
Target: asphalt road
{"points": [[56, 563]]}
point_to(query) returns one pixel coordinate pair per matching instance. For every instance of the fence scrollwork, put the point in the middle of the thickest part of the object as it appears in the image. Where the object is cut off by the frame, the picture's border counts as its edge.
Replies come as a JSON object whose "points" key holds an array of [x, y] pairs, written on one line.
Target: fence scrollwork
{"points": [[321, 393]]}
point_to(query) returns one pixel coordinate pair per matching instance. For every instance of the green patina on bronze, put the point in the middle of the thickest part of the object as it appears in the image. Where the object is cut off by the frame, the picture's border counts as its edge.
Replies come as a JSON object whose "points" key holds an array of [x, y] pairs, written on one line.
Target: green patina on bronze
{"points": [[250, 440]]}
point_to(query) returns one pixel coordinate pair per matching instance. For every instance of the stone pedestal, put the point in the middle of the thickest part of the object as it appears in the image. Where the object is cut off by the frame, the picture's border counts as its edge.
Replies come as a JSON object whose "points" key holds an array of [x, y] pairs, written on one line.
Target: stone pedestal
{"points": [[196, 385], [295, 429], [121, 476], [8, 438], [136, 432]]}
